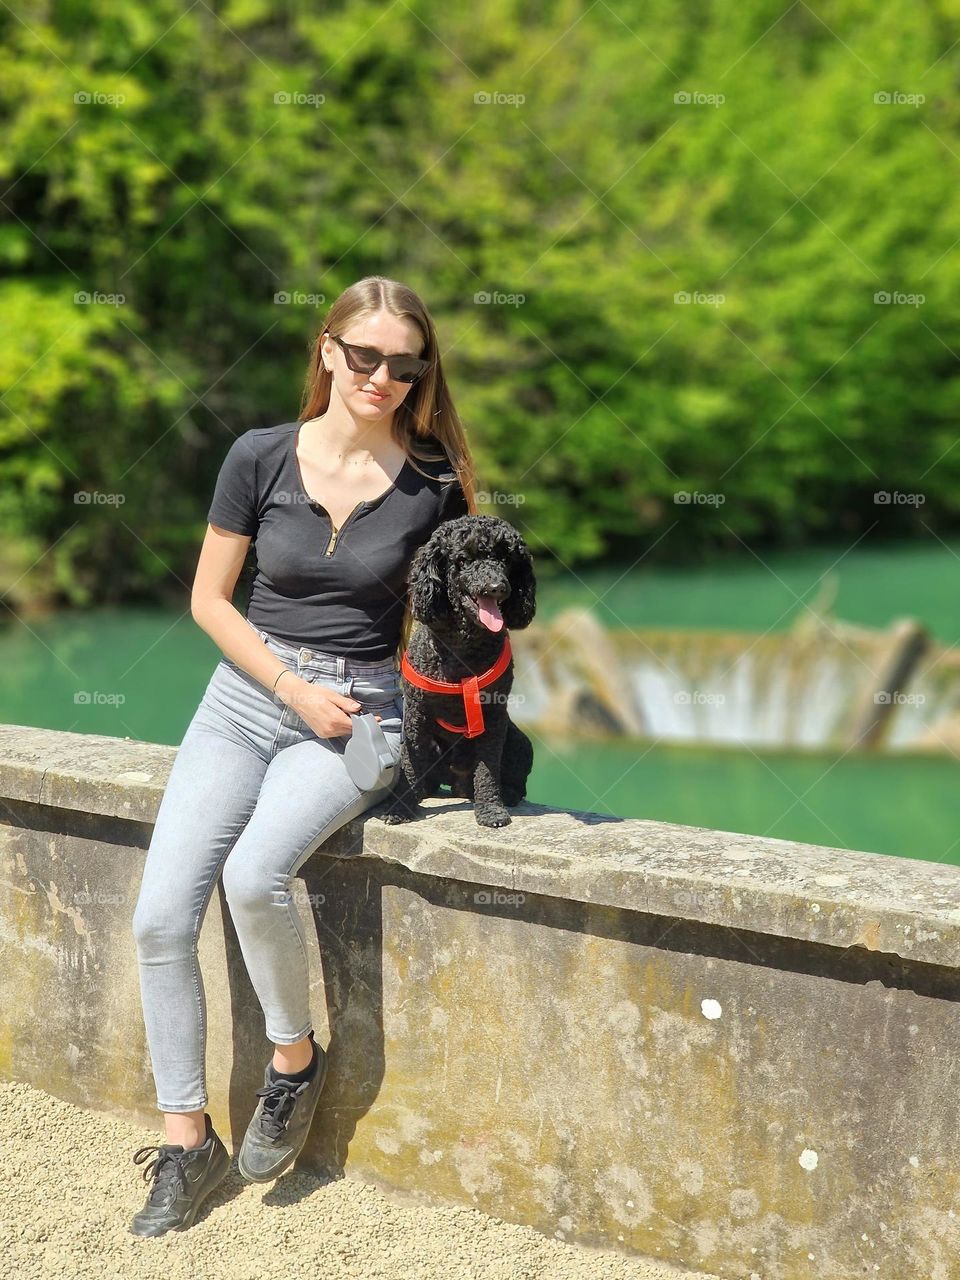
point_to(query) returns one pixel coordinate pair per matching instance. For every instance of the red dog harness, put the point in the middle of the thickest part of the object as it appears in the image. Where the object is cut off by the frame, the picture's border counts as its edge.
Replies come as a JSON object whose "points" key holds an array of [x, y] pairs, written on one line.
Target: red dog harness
{"points": [[468, 688]]}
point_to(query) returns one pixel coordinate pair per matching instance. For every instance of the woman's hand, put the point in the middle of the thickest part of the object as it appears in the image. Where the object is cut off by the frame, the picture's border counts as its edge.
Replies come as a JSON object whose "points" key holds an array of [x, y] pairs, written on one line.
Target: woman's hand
{"points": [[327, 713]]}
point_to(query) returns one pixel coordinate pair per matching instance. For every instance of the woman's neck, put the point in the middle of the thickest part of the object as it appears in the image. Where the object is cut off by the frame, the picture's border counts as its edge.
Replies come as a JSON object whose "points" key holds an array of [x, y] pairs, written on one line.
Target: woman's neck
{"points": [[348, 442]]}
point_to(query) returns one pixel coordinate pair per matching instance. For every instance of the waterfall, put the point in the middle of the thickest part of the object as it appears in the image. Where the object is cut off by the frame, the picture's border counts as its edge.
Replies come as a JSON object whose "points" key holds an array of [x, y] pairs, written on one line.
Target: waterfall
{"points": [[824, 684]]}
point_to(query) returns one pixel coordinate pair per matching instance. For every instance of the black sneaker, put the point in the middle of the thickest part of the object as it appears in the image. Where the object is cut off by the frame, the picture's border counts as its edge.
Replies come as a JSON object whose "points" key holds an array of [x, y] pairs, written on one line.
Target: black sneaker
{"points": [[182, 1180], [281, 1122]]}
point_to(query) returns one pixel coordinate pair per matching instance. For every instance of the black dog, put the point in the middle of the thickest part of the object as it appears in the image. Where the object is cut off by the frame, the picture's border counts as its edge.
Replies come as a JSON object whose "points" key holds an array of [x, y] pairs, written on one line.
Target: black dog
{"points": [[470, 584]]}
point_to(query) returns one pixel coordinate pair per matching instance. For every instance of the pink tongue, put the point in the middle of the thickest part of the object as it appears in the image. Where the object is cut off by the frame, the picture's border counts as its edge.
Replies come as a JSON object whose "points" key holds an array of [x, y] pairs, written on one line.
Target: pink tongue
{"points": [[489, 612]]}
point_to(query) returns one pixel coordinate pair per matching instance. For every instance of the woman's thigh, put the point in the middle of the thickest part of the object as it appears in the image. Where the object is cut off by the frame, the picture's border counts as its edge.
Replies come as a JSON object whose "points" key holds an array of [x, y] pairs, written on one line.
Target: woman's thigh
{"points": [[210, 795], [306, 795]]}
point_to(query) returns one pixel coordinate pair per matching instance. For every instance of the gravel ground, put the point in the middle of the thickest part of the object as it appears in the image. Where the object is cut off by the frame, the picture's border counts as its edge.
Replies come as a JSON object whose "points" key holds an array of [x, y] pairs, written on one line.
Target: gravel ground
{"points": [[69, 1188]]}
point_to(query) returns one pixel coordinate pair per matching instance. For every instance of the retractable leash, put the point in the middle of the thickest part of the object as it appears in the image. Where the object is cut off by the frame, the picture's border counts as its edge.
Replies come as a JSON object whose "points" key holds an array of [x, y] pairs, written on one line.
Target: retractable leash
{"points": [[367, 756]]}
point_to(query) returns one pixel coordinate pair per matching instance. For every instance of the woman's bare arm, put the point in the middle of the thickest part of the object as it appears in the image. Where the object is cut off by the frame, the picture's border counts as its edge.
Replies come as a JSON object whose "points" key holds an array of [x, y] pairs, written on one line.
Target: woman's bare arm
{"points": [[211, 604]]}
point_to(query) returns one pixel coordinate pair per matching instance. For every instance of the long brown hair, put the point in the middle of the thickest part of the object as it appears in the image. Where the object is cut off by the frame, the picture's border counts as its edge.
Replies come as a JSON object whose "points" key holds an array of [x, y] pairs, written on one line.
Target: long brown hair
{"points": [[426, 424]]}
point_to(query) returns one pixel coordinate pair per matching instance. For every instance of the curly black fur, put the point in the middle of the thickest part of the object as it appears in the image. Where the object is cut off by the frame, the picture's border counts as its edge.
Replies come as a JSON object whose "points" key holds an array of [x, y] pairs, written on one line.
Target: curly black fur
{"points": [[465, 558]]}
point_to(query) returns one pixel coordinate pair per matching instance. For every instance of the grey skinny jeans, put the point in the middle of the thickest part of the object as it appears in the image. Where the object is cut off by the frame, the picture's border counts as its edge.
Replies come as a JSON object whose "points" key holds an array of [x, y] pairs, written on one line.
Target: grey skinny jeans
{"points": [[253, 791]]}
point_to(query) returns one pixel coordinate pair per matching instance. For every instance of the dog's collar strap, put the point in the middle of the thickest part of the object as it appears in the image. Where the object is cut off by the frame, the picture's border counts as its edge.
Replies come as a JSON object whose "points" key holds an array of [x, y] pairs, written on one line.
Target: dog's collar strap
{"points": [[468, 688]]}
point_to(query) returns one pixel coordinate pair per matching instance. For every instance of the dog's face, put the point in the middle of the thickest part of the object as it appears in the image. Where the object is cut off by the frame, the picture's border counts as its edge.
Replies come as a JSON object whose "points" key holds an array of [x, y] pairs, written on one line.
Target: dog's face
{"points": [[474, 574]]}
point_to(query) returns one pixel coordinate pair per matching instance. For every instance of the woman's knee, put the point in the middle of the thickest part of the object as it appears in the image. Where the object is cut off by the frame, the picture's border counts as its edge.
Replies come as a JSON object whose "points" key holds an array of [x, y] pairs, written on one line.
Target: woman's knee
{"points": [[162, 933], [247, 887]]}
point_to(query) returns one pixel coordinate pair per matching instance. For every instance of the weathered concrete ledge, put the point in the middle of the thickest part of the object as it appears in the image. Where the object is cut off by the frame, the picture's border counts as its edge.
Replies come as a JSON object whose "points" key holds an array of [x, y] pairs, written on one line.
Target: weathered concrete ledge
{"points": [[808, 892], [733, 1053]]}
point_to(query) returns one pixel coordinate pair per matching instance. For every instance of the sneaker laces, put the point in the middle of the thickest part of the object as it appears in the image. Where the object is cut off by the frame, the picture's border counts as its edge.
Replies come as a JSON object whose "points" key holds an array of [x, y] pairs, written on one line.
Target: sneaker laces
{"points": [[166, 1170], [279, 1100]]}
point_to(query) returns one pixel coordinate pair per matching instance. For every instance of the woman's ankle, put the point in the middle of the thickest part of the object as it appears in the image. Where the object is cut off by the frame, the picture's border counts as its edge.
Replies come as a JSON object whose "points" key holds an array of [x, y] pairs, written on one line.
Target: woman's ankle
{"points": [[186, 1129], [290, 1059]]}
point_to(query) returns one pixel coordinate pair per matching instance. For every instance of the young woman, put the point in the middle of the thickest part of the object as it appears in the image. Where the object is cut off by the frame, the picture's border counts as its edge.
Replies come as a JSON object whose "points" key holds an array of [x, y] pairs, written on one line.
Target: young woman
{"points": [[338, 502]]}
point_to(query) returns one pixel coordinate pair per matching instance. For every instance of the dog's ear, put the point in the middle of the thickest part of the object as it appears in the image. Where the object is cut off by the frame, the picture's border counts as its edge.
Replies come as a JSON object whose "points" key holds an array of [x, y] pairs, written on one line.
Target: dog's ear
{"points": [[521, 604], [429, 599]]}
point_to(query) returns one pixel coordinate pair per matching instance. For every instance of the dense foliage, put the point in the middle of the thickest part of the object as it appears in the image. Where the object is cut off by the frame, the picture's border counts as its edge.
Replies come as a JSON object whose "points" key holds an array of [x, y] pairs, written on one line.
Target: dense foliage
{"points": [[782, 398]]}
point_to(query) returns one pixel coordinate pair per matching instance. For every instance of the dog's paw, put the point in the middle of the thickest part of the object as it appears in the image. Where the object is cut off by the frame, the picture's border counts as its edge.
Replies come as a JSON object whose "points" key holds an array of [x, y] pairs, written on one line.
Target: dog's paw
{"points": [[394, 816], [492, 815]]}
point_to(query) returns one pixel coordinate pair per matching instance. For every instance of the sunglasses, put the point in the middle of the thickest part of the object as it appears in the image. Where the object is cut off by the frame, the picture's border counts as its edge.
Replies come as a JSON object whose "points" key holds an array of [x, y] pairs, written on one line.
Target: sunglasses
{"points": [[368, 359]]}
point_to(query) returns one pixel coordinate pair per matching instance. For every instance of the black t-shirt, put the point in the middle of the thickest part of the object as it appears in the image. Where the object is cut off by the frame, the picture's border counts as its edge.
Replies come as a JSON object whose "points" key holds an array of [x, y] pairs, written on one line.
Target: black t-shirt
{"points": [[344, 594]]}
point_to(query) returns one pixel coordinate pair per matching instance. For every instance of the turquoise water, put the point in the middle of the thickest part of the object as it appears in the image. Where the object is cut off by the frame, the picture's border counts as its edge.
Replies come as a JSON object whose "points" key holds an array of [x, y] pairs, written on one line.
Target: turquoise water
{"points": [[140, 674], [904, 806], [875, 585]]}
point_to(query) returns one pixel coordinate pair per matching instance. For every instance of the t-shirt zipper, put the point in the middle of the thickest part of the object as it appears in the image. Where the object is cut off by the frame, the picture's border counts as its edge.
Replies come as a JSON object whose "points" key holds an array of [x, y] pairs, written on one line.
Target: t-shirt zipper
{"points": [[336, 532]]}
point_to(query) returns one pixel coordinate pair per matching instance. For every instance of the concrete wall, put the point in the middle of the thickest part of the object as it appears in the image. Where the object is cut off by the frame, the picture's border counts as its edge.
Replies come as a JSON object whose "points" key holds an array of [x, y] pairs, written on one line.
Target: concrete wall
{"points": [[735, 1053]]}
